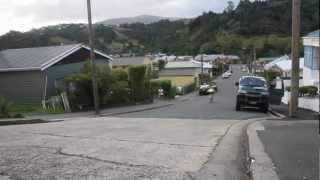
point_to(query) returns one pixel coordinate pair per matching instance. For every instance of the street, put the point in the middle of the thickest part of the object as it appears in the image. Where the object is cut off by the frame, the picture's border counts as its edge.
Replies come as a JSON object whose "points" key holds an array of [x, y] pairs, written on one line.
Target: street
{"points": [[198, 107], [190, 139]]}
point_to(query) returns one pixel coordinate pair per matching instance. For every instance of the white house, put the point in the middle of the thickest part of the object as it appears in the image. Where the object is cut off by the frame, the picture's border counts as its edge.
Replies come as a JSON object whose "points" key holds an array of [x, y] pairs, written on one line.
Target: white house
{"points": [[283, 65], [312, 59]]}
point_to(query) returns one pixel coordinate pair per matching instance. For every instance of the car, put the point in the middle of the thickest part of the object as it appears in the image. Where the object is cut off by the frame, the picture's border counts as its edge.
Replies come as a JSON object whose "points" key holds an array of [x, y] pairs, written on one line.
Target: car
{"points": [[253, 91], [226, 75], [203, 89]]}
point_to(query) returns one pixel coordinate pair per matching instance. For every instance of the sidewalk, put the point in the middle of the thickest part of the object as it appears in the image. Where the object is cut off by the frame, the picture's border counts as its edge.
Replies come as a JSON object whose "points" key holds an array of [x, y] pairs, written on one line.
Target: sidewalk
{"points": [[43, 118], [288, 147], [303, 114]]}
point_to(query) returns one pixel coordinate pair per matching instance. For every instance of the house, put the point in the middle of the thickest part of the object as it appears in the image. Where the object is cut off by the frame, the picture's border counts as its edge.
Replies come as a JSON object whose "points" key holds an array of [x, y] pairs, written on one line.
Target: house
{"points": [[283, 65], [125, 62], [30, 76], [312, 59], [183, 73]]}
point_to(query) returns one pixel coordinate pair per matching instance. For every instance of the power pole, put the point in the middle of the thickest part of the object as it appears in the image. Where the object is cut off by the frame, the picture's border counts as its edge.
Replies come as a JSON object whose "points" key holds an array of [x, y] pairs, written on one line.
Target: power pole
{"points": [[201, 76], [92, 58], [295, 75], [254, 60]]}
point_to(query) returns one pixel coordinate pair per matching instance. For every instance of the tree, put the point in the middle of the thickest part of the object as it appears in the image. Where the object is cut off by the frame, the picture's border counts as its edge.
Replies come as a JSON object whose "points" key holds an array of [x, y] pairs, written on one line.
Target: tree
{"points": [[230, 7]]}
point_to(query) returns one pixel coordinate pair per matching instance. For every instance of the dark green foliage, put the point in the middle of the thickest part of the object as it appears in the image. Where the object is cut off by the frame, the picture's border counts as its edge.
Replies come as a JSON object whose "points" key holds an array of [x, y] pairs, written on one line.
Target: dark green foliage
{"points": [[190, 88], [139, 84], [270, 75], [4, 108], [306, 90], [161, 64], [119, 94], [120, 74], [263, 24], [167, 87]]}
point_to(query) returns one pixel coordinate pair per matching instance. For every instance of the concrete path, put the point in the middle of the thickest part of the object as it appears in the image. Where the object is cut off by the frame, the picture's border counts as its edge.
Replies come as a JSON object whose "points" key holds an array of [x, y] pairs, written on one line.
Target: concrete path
{"points": [[110, 148]]}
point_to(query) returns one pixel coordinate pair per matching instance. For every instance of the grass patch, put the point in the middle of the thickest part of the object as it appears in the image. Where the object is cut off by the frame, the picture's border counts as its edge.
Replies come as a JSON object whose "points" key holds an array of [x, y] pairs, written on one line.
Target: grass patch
{"points": [[28, 109]]}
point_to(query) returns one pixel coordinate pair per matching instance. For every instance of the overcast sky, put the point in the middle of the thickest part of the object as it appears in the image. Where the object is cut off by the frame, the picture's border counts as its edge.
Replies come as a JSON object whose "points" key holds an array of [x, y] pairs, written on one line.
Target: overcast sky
{"points": [[23, 15]]}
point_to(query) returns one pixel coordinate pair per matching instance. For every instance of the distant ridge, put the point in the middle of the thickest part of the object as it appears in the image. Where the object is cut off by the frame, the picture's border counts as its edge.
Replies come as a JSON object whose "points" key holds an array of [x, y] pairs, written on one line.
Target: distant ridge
{"points": [[145, 19]]}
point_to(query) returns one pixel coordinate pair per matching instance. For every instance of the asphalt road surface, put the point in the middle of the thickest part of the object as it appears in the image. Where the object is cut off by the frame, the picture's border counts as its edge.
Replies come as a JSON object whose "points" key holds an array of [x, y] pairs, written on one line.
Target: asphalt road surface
{"points": [[199, 107], [293, 147]]}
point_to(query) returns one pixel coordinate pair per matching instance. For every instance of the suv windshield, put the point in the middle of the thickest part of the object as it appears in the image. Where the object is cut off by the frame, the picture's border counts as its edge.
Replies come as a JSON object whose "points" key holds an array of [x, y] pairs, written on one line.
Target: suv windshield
{"points": [[251, 81]]}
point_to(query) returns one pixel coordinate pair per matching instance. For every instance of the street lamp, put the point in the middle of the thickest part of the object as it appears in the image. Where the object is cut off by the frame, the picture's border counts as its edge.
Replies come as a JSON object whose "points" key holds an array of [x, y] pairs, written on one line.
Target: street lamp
{"points": [[92, 59]]}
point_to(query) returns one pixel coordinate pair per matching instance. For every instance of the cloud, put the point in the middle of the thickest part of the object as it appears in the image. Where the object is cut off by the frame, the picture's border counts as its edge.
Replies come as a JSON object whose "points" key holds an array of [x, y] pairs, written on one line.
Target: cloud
{"points": [[27, 14]]}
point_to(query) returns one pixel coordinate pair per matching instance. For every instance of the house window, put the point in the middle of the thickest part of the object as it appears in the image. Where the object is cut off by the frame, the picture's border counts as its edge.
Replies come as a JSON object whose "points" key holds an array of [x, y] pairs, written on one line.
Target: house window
{"points": [[312, 57]]}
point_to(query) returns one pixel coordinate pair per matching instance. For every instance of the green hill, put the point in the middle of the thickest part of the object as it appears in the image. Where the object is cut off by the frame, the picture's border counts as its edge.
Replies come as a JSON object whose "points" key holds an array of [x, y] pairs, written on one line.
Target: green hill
{"points": [[265, 25]]}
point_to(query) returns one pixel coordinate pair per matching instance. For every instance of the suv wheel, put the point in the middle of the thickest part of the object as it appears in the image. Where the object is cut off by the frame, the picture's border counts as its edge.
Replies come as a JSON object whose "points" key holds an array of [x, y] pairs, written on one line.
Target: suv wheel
{"points": [[238, 106], [265, 108]]}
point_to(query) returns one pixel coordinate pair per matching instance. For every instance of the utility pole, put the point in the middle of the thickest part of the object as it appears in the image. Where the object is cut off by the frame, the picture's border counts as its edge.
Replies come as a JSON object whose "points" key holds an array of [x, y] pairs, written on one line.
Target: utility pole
{"points": [[92, 59], [254, 60], [295, 75], [201, 78]]}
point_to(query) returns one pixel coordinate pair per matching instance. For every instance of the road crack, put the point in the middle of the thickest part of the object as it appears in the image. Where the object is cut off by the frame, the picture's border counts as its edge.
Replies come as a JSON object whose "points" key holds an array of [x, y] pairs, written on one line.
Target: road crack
{"points": [[125, 140], [109, 161]]}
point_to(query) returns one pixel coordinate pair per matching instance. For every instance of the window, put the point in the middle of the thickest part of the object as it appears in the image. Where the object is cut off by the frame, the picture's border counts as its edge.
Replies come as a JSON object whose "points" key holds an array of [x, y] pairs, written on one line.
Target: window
{"points": [[312, 57]]}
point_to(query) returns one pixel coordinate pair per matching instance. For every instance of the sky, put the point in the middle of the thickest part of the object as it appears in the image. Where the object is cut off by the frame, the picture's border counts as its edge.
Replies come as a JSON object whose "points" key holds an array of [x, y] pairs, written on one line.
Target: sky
{"points": [[23, 15]]}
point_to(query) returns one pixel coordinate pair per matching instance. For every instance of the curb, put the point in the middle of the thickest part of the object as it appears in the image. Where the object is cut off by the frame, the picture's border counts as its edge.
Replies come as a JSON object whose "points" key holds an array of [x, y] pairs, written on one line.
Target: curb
{"points": [[278, 115], [22, 121], [136, 110], [261, 166]]}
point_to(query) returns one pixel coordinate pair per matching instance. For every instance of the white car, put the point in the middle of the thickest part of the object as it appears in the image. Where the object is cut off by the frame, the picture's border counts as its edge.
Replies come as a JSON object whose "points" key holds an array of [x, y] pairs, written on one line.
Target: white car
{"points": [[226, 75]]}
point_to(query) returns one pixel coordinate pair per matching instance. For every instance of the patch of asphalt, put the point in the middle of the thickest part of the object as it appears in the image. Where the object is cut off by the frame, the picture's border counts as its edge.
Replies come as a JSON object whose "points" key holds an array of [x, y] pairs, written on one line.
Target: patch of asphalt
{"points": [[261, 165]]}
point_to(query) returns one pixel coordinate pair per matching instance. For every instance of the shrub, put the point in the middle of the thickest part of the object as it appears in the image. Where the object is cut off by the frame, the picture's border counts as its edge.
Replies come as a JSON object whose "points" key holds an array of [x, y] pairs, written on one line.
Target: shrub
{"points": [[306, 90], [139, 83], [4, 108], [270, 75], [189, 88], [119, 94], [166, 85], [173, 92], [120, 74]]}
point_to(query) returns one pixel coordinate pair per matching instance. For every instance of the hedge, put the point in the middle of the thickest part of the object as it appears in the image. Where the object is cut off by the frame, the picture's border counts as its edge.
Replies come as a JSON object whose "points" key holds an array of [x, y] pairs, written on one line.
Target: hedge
{"points": [[166, 85], [139, 83], [306, 90]]}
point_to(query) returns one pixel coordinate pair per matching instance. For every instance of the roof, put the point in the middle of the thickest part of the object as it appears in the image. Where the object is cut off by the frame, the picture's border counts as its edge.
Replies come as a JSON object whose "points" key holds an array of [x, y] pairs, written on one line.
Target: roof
{"points": [[178, 72], [38, 58], [286, 65], [127, 61], [181, 64], [267, 59], [272, 63], [186, 64], [314, 34]]}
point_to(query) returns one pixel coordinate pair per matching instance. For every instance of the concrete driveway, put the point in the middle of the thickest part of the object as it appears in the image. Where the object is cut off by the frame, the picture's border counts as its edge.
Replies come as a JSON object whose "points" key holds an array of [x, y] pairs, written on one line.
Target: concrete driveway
{"points": [[109, 148]]}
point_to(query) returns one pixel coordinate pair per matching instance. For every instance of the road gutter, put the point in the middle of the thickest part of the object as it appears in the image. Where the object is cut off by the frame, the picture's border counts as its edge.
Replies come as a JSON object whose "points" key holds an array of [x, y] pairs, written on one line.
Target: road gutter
{"points": [[261, 166]]}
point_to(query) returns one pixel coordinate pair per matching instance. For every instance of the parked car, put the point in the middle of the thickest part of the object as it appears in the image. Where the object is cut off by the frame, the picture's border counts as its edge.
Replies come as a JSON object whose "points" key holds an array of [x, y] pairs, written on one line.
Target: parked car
{"points": [[203, 89], [254, 91], [226, 75], [214, 86]]}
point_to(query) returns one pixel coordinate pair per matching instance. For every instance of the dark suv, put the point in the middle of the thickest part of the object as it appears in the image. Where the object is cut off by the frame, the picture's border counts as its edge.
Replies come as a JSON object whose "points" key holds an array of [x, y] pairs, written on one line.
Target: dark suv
{"points": [[252, 91]]}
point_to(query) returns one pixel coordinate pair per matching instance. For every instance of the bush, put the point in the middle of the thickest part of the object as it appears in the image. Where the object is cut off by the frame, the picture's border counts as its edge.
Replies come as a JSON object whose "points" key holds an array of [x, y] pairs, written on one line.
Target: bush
{"points": [[306, 90], [166, 85], [79, 86], [120, 74], [4, 108], [139, 83], [189, 88], [119, 94], [173, 93], [269, 75]]}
